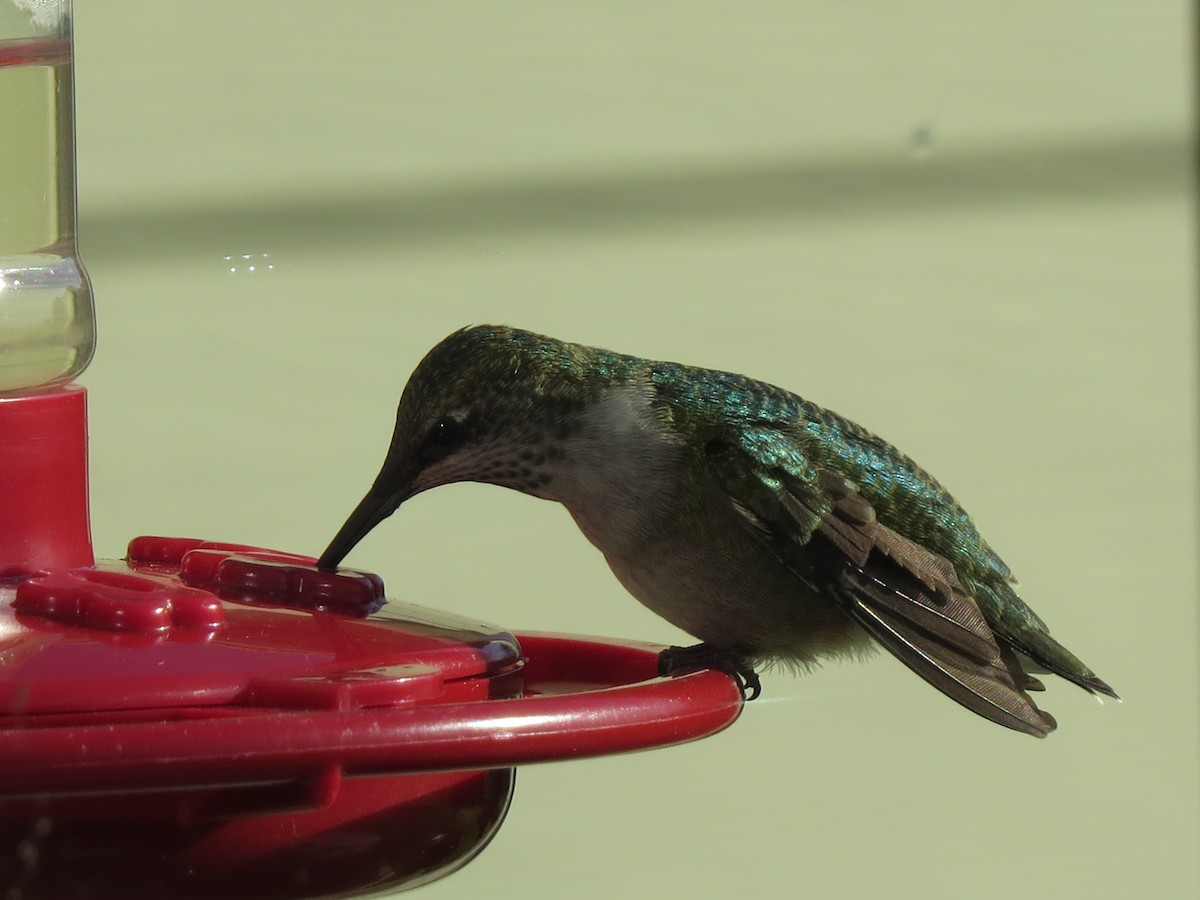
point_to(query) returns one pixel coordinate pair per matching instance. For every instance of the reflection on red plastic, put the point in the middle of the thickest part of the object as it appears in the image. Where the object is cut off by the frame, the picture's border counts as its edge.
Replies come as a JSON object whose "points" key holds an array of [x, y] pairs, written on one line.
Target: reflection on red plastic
{"points": [[255, 575], [152, 549], [149, 549], [361, 689], [263, 578], [117, 601]]}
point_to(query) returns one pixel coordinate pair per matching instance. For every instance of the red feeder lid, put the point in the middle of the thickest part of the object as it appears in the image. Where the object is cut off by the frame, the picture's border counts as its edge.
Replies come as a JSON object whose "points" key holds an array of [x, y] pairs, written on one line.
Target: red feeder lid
{"points": [[193, 663], [154, 634]]}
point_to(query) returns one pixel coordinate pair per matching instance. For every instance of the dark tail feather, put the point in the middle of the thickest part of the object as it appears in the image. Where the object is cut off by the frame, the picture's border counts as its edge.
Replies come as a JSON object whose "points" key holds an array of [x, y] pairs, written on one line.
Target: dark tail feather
{"points": [[1081, 676], [1016, 626], [984, 686], [911, 601]]}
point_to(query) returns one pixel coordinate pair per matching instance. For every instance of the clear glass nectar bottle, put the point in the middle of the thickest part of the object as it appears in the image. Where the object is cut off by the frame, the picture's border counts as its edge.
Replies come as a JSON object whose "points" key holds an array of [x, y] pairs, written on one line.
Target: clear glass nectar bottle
{"points": [[47, 320]]}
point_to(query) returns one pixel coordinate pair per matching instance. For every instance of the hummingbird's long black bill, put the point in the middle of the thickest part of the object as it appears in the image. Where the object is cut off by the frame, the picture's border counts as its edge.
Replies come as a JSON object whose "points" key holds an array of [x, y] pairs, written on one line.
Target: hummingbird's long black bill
{"points": [[373, 509]]}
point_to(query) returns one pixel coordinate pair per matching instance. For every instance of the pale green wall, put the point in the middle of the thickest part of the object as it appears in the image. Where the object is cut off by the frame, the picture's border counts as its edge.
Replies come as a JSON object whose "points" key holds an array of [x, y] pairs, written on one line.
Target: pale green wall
{"points": [[969, 226]]}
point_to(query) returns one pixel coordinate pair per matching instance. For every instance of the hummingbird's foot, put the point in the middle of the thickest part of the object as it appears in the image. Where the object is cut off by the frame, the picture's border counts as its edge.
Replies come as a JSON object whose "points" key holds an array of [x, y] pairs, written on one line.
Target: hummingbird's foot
{"points": [[706, 656]]}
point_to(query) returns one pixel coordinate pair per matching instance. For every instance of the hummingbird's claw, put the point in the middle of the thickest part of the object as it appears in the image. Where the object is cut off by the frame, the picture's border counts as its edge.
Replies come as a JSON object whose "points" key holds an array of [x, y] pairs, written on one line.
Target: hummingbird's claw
{"points": [[705, 656], [751, 686]]}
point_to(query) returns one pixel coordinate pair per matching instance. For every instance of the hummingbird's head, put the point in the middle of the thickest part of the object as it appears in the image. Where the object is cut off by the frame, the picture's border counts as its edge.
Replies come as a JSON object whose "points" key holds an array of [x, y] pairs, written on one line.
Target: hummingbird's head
{"points": [[488, 404]]}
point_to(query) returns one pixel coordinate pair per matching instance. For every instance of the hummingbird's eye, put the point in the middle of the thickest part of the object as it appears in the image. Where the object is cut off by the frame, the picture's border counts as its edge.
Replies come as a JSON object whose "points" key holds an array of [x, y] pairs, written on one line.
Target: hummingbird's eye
{"points": [[444, 437]]}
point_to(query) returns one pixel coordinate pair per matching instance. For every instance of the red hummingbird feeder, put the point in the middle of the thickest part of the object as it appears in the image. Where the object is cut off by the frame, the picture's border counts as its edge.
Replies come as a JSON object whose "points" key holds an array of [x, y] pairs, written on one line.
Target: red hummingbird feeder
{"points": [[206, 719]]}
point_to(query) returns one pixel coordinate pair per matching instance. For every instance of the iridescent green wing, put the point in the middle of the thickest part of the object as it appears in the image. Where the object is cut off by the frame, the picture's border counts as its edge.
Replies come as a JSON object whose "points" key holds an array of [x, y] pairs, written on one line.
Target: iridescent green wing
{"points": [[909, 599]]}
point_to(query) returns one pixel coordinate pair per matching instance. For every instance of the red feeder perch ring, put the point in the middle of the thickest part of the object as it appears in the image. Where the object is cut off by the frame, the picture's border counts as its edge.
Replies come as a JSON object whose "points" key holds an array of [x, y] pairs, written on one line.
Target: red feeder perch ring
{"points": [[209, 719]]}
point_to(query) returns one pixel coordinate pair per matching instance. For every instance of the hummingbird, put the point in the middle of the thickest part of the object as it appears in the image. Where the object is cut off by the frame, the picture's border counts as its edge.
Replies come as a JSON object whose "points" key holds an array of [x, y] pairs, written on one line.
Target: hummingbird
{"points": [[772, 530]]}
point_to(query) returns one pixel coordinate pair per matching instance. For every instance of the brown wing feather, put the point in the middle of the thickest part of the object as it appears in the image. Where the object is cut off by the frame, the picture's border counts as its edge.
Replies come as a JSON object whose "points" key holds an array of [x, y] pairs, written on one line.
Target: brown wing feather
{"points": [[905, 596], [911, 601]]}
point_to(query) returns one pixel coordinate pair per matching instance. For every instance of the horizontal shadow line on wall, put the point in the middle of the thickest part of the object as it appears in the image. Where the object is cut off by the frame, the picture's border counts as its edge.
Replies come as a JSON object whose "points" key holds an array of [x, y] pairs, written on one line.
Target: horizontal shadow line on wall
{"points": [[801, 191]]}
